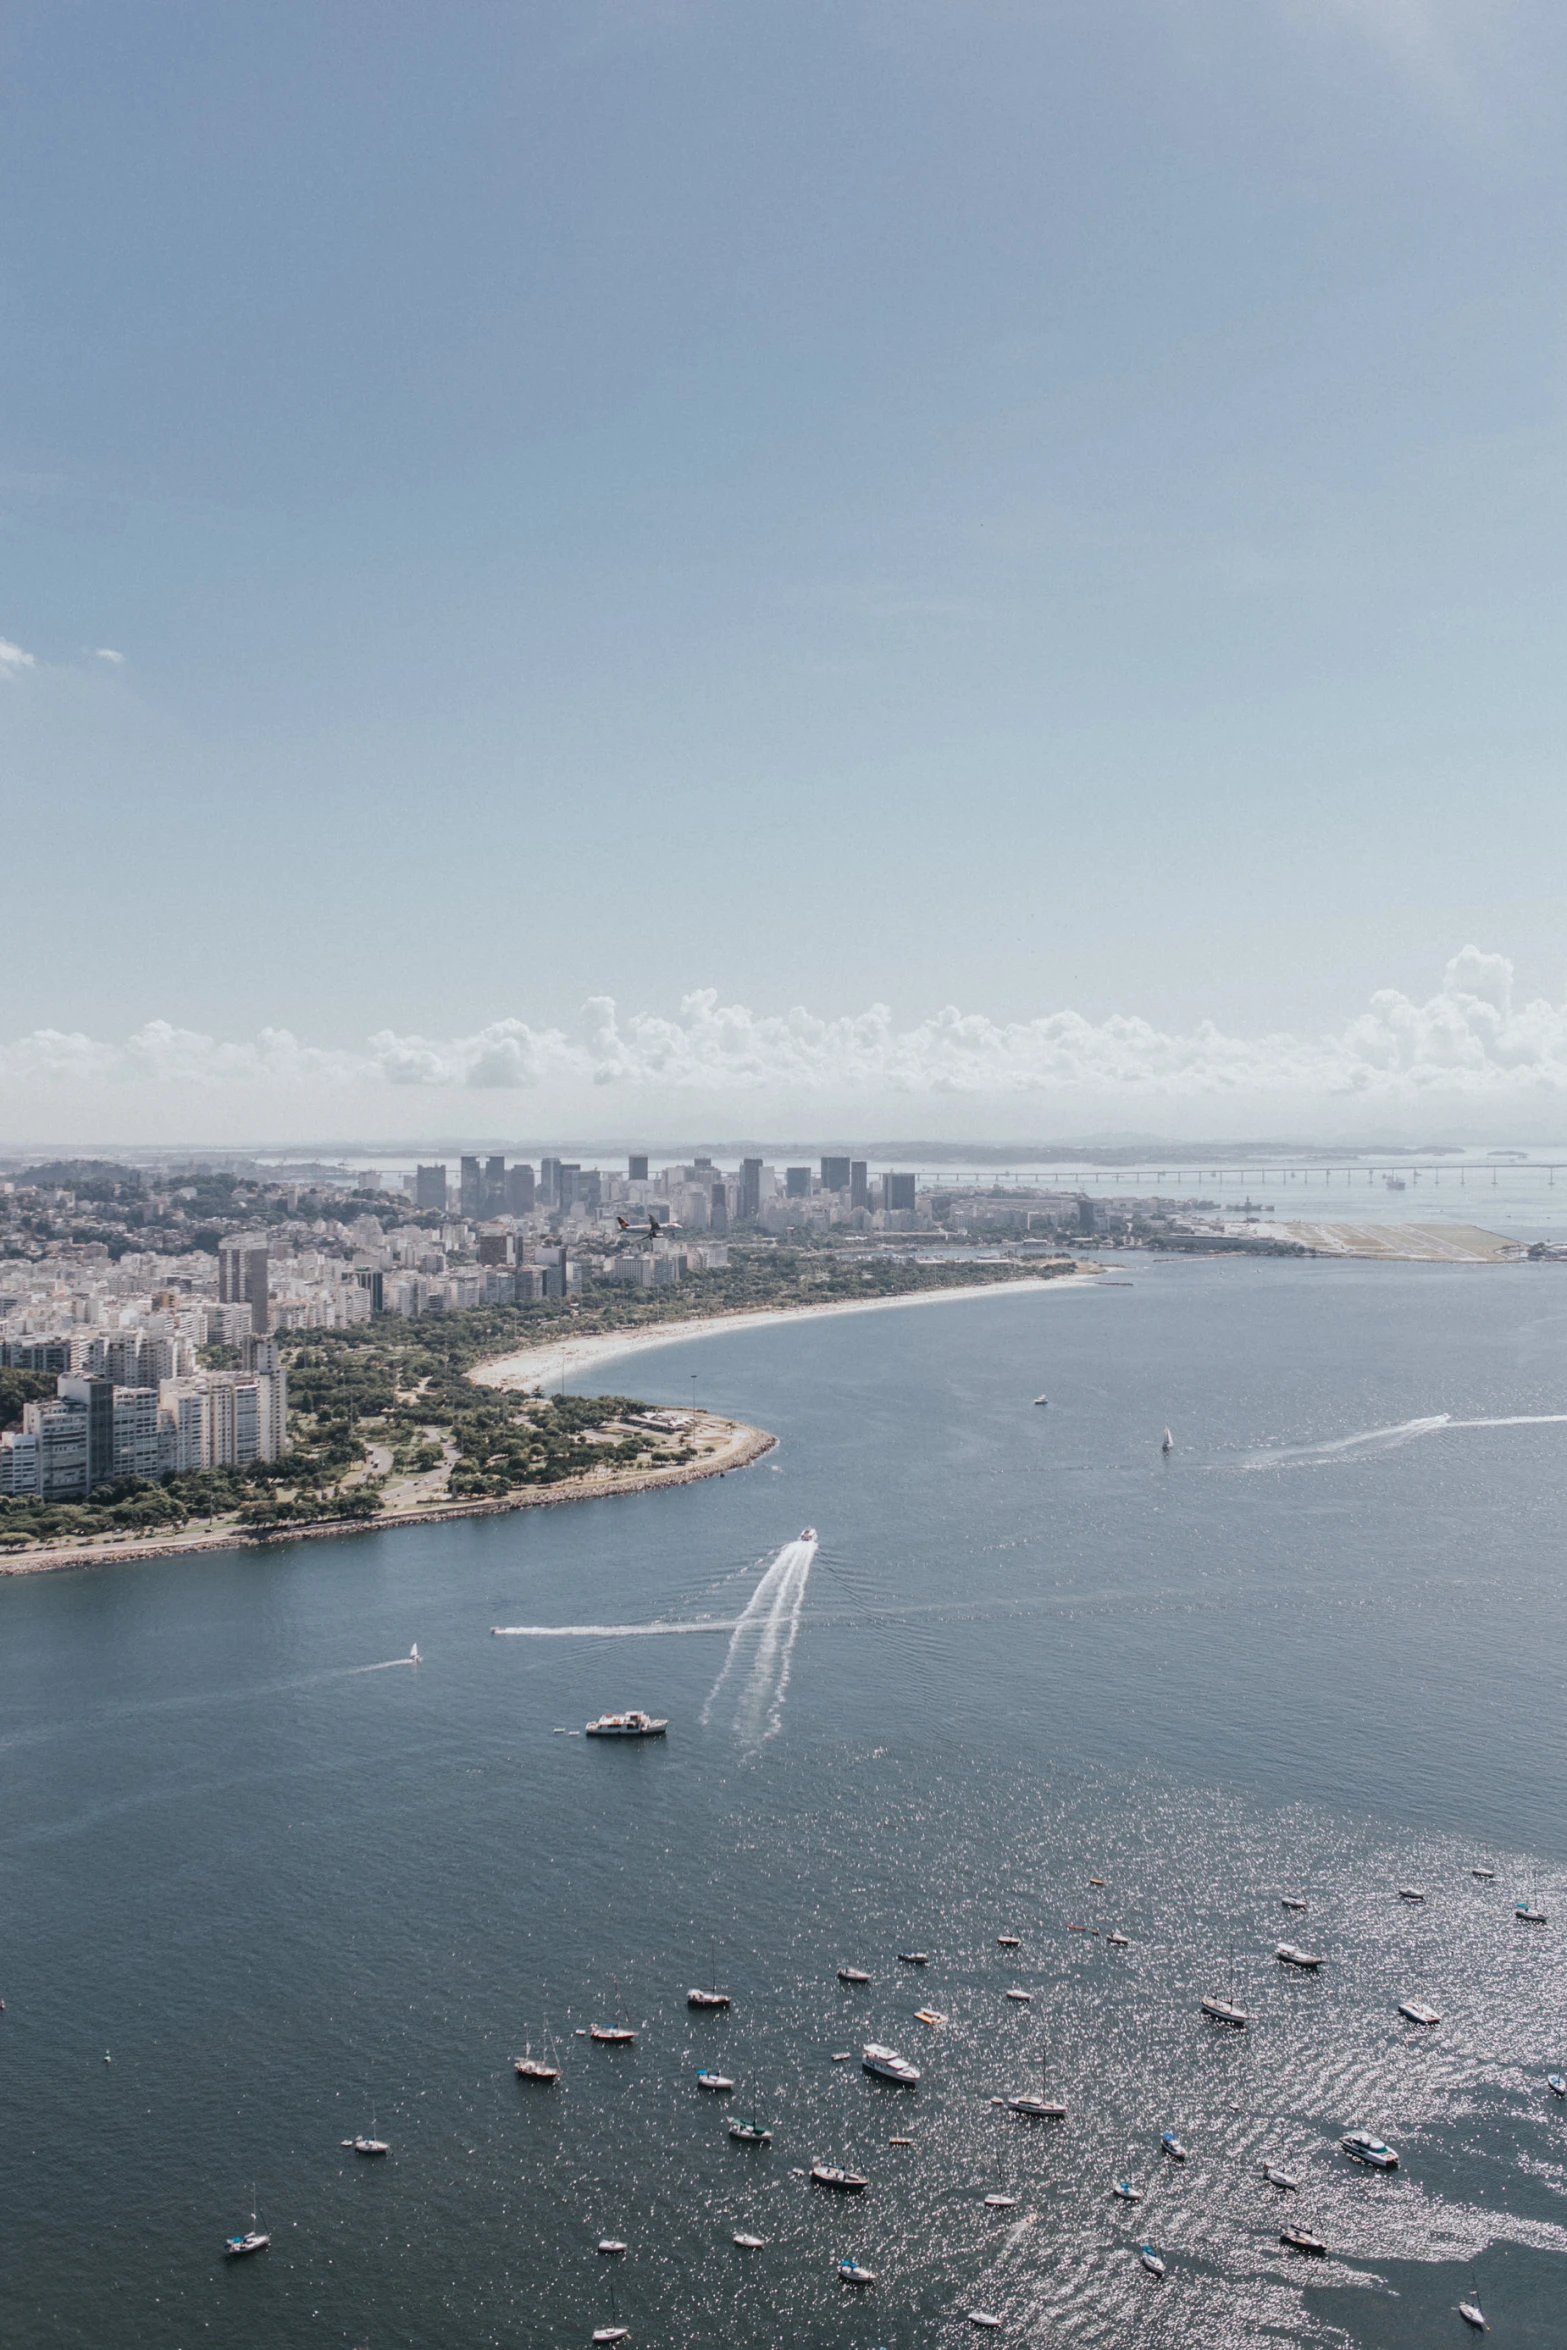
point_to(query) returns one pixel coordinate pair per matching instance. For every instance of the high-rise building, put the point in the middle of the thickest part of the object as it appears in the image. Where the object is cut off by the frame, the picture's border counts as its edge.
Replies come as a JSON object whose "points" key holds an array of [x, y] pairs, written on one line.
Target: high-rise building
{"points": [[183, 1420], [95, 1397], [897, 1193], [519, 1189], [136, 1432], [1085, 1213], [430, 1188], [750, 1190], [59, 1450], [495, 1187], [718, 1211], [835, 1174], [568, 1184], [470, 1190], [636, 1167], [797, 1182], [549, 1183], [370, 1277], [242, 1277], [859, 1183]]}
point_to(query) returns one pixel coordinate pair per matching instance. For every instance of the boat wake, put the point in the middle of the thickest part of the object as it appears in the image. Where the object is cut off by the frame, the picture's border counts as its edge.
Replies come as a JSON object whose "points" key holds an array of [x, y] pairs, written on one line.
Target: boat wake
{"points": [[1384, 1439], [390, 1665], [761, 1646], [610, 1631]]}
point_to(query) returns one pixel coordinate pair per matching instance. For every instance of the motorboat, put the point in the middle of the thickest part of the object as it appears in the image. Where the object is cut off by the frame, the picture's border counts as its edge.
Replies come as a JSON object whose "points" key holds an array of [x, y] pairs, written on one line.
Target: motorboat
{"points": [[831, 2174], [634, 1724], [1022, 1997], [1418, 2012], [1224, 2011], [1172, 2145], [931, 2016], [750, 2243], [1557, 2084], [610, 2245], [1279, 2178], [1360, 2146], [842, 2055], [1302, 2240], [852, 1974], [1485, 1875], [1291, 1901], [1528, 1915], [888, 2065], [1001, 2203], [710, 2080], [1287, 1955], [368, 2145], [1167, 1442], [1473, 2315], [1127, 2191], [750, 2134], [1009, 1941], [900, 2141], [983, 2319], [1150, 2260], [913, 1958], [1041, 1399], [1120, 1940], [853, 2273], [807, 1533], [1410, 1893]]}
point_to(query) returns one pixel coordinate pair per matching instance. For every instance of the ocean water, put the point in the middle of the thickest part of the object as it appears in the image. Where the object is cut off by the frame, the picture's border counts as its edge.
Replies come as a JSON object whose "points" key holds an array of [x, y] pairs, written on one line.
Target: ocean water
{"points": [[285, 1884]]}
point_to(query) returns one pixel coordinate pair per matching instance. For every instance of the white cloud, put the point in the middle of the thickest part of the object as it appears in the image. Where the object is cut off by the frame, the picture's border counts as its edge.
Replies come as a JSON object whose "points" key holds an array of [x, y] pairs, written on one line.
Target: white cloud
{"points": [[107, 653], [13, 660], [1470, 1041]]}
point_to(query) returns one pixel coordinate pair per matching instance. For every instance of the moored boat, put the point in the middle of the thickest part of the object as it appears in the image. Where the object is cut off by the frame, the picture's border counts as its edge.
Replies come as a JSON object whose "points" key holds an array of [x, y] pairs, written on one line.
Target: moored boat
{"points": [[1288, 1955], [750, 2243], [1121, 1941], [984, 2320], [888, 2065], [711, 2080], [1009, 1941], [852, 1974], [1172, 2145], [634, 1724], [1418, 2012], [1410, 1893], [1301, 2240], [1128, 2192], [1223, 2011], [1291, 1901], [1021, 1997], [1473, 2315], [1360, 2146], [1557, 2084], [853, 2273], [610, 2245], [1279, 2178], [832, 2174], [255, 2238], [931, 2016], [1150, 2260], [750, 2134], [914, 1958], [1001, 2203], [1528, 1914]]}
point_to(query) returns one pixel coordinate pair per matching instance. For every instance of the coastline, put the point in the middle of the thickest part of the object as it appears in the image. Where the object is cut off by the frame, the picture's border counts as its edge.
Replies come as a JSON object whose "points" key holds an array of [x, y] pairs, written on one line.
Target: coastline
{"points": [[528, 1365], [745, 1444]]}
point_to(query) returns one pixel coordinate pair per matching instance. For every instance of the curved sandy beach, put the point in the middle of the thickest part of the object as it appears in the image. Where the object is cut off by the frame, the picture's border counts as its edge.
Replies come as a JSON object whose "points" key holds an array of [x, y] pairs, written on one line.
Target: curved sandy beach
{"points": [[570, 1357]]}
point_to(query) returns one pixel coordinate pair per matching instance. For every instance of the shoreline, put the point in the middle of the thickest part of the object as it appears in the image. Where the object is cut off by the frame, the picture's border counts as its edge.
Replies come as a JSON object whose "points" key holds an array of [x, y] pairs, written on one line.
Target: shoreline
{"points": [[746, 1445], [524, 1367]]}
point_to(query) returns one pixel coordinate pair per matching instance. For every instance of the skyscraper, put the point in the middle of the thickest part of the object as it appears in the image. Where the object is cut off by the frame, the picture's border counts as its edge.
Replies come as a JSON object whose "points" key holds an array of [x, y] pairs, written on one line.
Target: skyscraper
{"points": [[430, 1188], [859, 1183], [750, 1190], [897, 1192], [636, 1167], [470, 1190], [835, 1174], [797, 1182], [718, 1212], [242, 1277], [495, 1187], [519, 1189]]}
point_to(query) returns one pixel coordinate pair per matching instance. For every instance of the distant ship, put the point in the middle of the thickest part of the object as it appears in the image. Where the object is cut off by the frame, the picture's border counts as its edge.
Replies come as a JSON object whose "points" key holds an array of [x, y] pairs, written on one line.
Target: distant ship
{"points": [[630, 1725]]}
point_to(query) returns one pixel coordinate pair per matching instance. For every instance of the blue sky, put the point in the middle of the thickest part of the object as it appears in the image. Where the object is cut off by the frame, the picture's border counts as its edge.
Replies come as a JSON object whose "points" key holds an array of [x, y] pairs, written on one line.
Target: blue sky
{"points": [[1042, 509]]}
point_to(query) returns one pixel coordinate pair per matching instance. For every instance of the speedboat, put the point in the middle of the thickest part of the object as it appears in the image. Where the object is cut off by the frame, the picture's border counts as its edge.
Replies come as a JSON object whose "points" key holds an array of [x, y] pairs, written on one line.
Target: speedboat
{"points": [[888, 2065], [707, 2080], [1360, 2146], [1485, 1875], [852, 1974], [1557, 2084], [1223, 2011], [1527, 1913], [1121, 1941], [1172, 2145], [830, 2174], [983, 2319], [750, 2134], [1150, 2260], [1291, 1901], [1410, 1893], [853, 2274], [1418, 2012], [611, 2244], [1473, 2315], [1279, 2178], [1288, 1955], [929, 2015], [1041, 1399], [1301, 2240], [1127, 2192], [1009, 1941], [750, 2243], [807, 1533], [913, 1958], [635, 1724], [1001, 2203], [1022, 1997]]}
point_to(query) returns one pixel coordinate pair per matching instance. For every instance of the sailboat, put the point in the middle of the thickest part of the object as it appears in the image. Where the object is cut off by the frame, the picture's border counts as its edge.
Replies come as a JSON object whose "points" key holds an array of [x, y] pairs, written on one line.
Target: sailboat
{"points": [[529, 2067], [714, 1997], [614, 2035], [235, 2247], [614, 2331], [414, 1657], [1225, 2011], [370, 2145], [1040, 2108], [1470, 2310], [1167, 1442]]}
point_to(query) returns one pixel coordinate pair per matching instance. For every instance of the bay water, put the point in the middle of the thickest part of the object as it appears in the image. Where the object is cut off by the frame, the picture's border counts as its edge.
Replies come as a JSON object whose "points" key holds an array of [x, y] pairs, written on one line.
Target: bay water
{"points": [[262, 1884]]}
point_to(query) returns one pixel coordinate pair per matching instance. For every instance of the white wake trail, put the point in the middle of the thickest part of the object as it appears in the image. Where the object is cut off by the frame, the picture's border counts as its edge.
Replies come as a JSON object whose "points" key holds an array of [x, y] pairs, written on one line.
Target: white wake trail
{"points": [[1403, 1432], [609, 1631], [764, 1639]]}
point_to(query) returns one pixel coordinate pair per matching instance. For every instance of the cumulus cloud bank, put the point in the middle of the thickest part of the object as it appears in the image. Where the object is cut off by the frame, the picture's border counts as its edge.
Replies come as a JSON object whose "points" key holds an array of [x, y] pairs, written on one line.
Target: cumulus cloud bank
{"points": [[1469, 1040], [13, 659]]}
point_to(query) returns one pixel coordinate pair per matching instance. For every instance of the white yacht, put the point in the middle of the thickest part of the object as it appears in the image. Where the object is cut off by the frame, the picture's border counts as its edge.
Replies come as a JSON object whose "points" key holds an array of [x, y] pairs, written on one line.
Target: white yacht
{"points": [[1120, 1941], [1418, 2013], [1529, 1914], [1022, 1997], [1410, 1893], [1360, 2146], [1127, 2191], [368, 2145], [1279, 2178], [1150, 2260], [1224, 2011], [888, 2065], [1557, 2084], [1302, 2240], [711, 2080], [831, 2174], [853, 2273], [807, 1533], [750, 2243], [1291, 1901], [611, 2245], [1172, 2145], [914, 1958], [254, 2240], [1001, 2203], [983, 2319], [634, 1724], [852, 1974], [1473, 2315], [1288, 1955], [1167, 1442], [750, 2134]]}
